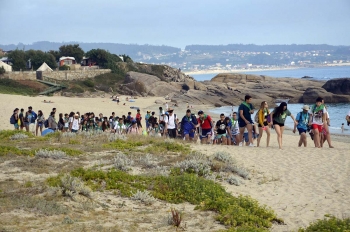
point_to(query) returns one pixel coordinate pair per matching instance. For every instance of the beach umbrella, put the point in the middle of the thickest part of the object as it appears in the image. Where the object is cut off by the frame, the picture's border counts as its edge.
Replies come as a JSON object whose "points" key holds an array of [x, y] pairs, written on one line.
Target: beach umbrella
{"points": [[47, 131]]}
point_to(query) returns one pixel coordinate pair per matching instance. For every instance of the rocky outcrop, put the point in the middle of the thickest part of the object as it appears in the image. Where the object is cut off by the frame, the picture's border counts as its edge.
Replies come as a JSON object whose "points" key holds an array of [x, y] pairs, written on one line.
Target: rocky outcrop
{"points": [[312, 93], [338, 86], [239, 78]]}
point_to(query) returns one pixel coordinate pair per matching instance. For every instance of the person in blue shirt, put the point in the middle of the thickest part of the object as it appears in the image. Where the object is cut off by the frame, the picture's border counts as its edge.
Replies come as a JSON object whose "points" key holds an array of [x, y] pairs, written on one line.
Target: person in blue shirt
{"points": [[188, 125], [303, 124]]}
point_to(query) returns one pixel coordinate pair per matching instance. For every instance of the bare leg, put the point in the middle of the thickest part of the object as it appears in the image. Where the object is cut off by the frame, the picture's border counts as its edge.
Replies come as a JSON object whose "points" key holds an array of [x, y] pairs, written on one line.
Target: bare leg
{"points": [[317, 138], [260, 135], [241, 134], [250, 133], [224, 141], [36, 130], [279, 135], [268, 136]]}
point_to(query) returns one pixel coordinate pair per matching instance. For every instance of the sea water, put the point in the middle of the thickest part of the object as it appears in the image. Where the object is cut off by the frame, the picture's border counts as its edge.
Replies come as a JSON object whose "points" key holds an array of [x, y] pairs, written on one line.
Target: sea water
{"points": [[337, 114], [321, 73]]}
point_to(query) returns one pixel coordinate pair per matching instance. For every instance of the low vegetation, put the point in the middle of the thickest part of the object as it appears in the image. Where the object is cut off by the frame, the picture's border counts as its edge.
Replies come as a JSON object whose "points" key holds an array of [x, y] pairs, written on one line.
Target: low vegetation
{"points": [[8, 86], [329, 223]]}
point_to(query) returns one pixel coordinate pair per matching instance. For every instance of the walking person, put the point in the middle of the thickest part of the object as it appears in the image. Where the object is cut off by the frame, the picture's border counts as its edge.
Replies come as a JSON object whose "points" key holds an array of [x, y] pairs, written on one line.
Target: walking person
{"points": [[318, 113], [40, 123], [188, 126], [279, 115], [263, 122], [30, 119], [325, 131], [75, 124], [15, 119], [220, 130], [235, 136], [147, 117], [52, 121], [21, 118], [245, 110], [205, 126], [302, 119], [170, 123], [138, 118]]}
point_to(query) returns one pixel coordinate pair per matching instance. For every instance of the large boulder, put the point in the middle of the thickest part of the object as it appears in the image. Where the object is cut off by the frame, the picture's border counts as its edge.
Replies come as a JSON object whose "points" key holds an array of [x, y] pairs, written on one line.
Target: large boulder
{"points": [[242, 78], [338, 86], [312, 93]]}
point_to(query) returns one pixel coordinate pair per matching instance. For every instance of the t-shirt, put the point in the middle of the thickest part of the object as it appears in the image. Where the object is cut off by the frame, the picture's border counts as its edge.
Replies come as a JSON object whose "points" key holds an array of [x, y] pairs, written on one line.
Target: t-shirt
{"points": [[138, 116], [281, 118], [188, 123], [246, 112], [170, 120], [317, 116], [205, 123], [221, 127], [75, 123], [303, 120], [119, 128], [235, 128]]}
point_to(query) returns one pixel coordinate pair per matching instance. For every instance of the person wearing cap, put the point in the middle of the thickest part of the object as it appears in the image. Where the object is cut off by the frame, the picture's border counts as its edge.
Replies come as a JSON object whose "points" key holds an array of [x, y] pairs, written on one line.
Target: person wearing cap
{"points": [[147, 116], [29, 120], [302, 118], [170, 123], [205, 123], [138, 118], [189, 124], [75, 124]]}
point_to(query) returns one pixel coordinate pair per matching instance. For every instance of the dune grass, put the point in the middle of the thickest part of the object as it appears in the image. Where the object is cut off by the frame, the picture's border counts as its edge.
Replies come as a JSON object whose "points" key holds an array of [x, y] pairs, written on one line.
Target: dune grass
{"points": [[8, 86]]}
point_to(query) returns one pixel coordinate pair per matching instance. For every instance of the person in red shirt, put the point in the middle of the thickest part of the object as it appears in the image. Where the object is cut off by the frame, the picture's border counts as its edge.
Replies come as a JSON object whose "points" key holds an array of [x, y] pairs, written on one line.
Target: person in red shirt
{"points": [[138, 119], [206, 124]]}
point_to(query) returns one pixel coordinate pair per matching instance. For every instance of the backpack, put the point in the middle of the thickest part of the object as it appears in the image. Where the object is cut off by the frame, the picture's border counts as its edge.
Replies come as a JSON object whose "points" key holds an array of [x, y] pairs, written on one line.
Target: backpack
{"points": [[256, 118], [13, 119], [46, 123], [174, 119]]}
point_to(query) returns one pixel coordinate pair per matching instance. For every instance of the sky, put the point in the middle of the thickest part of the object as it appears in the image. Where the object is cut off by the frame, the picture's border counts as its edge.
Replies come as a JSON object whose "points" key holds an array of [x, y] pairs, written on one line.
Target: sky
{"points": [[176, 23]]}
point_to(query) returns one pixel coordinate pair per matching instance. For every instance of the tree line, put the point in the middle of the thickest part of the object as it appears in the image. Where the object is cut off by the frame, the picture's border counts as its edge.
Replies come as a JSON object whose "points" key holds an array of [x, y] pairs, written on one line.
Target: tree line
{"points": [[21, 58]]}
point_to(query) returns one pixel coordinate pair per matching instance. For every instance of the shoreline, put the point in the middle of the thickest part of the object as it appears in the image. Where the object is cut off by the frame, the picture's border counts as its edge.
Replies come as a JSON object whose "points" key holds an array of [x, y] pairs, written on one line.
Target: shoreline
{"points": [[216, 71]]}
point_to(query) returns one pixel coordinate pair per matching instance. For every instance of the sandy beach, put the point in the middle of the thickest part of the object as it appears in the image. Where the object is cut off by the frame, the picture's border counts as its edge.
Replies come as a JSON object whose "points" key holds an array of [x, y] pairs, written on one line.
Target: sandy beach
{"points": [[299, 184]]}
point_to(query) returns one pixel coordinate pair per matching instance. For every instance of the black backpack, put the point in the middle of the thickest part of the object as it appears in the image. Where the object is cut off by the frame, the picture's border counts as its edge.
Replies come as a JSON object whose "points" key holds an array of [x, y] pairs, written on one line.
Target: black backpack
{"points": [[13, 119], [46, 123]]}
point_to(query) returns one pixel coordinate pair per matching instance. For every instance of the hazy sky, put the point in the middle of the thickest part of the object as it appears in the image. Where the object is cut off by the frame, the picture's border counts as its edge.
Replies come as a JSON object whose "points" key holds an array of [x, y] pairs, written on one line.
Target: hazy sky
{"points": [[176, 23]]}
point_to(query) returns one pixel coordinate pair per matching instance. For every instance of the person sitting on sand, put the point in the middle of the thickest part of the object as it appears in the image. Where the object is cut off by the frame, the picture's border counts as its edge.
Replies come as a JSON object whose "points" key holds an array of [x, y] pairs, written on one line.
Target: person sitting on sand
{"points": [[279, 115], [48, 101], [303, 125]]}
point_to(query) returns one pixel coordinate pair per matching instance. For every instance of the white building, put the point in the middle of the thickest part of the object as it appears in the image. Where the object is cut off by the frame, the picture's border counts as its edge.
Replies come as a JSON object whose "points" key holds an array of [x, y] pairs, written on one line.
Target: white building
{"points": [[8, 68]]}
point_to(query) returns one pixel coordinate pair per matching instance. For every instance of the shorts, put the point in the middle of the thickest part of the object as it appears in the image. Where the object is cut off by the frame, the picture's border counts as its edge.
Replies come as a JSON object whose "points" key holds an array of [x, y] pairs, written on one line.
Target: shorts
{"points": [[301, 130], [205, 133], [279, 124], [235, 132], [172, 133], [318, 127], [74, 131], [220, 136], [40, 124], [242, 123], [16, 125], [190, 133], [265, 124]]}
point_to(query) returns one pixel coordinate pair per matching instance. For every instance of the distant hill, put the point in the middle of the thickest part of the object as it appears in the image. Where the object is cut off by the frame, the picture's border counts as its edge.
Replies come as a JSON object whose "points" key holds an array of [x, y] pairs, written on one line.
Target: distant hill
{"points": [[116, 48], [264, 48]]}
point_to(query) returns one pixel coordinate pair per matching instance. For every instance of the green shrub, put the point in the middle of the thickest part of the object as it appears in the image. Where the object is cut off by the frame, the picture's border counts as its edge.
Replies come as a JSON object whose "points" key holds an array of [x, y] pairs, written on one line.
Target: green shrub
{"points": [[76, 89], [331, 223], [7, 134], [8, 86], [8, 150], [122, 145], [89, 83], [241, 213], [64, 67], [161, 147]]}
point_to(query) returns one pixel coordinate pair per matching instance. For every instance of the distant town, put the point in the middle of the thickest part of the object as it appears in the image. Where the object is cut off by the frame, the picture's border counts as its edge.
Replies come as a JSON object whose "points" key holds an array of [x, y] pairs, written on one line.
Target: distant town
{"points": [[197, 58]]}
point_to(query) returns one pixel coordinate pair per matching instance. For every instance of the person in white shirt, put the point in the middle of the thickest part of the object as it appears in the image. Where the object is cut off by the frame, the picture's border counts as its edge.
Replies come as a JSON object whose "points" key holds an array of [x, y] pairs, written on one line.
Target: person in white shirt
{"points": [[75, 123], [170, 123], [119, 127], [318, 113]]}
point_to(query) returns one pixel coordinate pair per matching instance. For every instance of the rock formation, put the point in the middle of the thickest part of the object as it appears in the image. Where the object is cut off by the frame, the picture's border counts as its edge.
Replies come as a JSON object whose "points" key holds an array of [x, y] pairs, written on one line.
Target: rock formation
{"points": [[338, 86]]}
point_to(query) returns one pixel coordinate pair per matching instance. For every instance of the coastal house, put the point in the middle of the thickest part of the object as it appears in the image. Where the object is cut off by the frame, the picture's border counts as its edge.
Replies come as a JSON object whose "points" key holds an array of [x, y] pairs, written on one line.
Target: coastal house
{"points": [[6, 60], [8, 68], [44, 68], [66, 60]]}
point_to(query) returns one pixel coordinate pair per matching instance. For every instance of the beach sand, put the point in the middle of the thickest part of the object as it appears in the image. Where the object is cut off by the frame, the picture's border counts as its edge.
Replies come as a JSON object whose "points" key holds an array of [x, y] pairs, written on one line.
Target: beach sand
{"points": [[299, 184]]}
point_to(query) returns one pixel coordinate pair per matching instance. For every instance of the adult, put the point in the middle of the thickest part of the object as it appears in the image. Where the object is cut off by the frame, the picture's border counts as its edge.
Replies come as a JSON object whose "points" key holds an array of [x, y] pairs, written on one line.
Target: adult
{"points": [[170, 123], [66, 122], [40, 123], [221, 128], [228, 133], [205, 125], [147, 117], [235, 136], [52, 121], [303, 123], [152, 120], [134, 129], [15, 118], [325, 130], [161, 111], [60, 124], [29, 120], [119, 127], [263, 123], [278, 116], [75, 124], [188, 126], [318, 118], [245, 110], [138, 118], [21, 117]]}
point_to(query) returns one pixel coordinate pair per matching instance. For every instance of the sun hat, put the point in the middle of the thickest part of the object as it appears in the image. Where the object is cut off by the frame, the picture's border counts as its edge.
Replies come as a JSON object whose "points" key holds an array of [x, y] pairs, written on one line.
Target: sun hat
{"points": [[170, 109], [306, 107]]}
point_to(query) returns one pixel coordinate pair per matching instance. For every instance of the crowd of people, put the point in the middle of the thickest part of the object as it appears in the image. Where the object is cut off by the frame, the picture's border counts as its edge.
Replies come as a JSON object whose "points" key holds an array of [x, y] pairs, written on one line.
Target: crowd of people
{"points": [[238, 129]]}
